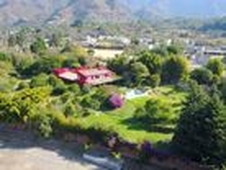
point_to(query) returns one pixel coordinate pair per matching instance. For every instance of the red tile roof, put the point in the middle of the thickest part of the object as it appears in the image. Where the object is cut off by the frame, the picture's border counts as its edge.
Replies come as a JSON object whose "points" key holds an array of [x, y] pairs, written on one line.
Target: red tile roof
{"points": [[87, 72], [85, 75]]}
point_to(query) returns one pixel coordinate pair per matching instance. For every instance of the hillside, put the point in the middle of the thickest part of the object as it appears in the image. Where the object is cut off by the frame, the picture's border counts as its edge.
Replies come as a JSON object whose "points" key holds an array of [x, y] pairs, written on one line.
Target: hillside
{"points": [[14, 12]]}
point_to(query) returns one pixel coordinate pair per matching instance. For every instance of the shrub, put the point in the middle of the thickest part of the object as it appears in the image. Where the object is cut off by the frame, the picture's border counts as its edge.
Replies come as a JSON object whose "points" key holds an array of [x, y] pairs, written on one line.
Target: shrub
{"points": [[152, 61], [70, 110], [43, 65], [39, 46], [155, 80], [86, 89], [222, 88], [39, 81], [71, 63], [154, 112], [116, 101], [216, 66], [4, 57], [74, 88], [102, 95], [22, 85], [77, 51], [175, 69], [202, 76], [22, 65], [59, 90], [54, 81], [140, 113], [43, 125], [64, 98], [22, 105], [139, 72], [88, 102]]}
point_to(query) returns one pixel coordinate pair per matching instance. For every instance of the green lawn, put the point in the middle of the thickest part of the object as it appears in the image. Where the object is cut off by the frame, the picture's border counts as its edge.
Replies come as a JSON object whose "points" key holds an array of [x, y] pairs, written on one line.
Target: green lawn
{"points": [[121, 120]]}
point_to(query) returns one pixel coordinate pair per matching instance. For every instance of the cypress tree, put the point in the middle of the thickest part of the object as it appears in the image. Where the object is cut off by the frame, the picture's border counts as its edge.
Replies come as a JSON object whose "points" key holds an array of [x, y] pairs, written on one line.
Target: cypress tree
{"points": [[201, 130]]}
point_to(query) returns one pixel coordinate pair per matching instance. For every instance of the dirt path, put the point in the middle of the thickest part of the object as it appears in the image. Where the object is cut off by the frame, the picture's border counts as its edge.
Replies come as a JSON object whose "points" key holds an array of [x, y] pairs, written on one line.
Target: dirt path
{"points": [[21, 151]]}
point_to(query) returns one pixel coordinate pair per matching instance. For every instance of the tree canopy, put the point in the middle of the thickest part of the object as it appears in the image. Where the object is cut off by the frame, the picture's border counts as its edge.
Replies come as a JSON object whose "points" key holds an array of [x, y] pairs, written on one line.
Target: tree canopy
{"points": [[201, 130]]}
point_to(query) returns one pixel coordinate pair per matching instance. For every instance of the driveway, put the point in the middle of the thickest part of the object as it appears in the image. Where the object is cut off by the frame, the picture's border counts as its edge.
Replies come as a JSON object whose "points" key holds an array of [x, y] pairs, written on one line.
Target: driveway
{"points": [[21, 151]]}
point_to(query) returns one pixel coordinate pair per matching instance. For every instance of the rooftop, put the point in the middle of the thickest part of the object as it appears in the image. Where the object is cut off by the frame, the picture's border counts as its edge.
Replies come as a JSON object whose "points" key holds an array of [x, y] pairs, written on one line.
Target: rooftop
{"points": [[69, 76], [93, 71]]}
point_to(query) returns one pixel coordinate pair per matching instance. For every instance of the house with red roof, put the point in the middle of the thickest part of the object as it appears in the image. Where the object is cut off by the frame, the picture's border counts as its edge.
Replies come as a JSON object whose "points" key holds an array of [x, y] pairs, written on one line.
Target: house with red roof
{"points": [[86, 75]]}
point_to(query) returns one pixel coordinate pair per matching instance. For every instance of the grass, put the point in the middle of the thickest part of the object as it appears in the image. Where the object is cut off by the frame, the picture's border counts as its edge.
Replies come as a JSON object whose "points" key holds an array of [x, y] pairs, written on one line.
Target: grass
{"points": [[121, 120]]}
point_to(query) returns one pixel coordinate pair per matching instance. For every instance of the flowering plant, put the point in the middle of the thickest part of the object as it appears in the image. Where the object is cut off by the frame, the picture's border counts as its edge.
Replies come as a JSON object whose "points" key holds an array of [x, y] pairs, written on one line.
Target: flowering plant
{"points": [[116, 101]]}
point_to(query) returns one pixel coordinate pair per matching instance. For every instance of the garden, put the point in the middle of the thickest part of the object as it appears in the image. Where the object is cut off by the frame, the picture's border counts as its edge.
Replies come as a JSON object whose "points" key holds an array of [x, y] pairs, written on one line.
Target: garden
{"points": [[124, 121], [167, 101]]}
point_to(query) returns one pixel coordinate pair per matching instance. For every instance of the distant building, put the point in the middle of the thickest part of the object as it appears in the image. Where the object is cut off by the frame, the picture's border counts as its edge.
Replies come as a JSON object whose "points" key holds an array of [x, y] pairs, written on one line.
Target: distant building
{"points": [[200, 55], [86, 76]]}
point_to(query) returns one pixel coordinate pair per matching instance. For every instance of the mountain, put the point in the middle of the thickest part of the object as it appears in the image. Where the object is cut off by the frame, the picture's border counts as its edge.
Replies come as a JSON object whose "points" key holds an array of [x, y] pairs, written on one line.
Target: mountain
{"points": [[179, 8], [93, 10], [14, 12]]}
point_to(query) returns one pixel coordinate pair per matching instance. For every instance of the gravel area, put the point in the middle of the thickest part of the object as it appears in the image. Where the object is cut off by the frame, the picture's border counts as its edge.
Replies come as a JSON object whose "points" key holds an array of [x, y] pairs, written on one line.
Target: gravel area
{"points": [[21, 151]]}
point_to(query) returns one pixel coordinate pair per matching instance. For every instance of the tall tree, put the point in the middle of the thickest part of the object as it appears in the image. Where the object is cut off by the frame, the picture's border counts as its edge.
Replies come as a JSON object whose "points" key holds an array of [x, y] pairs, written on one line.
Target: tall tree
{"points": [[175, 69], [39, 46], [216, 66], [201, 131], [202, 76], [152, 61], [139, 73]]}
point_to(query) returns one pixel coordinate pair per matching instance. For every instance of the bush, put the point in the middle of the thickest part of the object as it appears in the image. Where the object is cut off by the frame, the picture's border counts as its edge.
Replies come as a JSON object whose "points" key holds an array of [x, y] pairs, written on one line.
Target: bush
{"points": [[76, 50], [74, 88], [102, 95], [86, 89], [154, 112], [39, 81], [54, 81], [84, 112], [71, 63], [43, 125], [70, 110], [43, 65], [222, 88], [175, 69], [64, 98], [90, 103], [22, 85], [155, 80], [39, 46], [139, 72], [140, 113], [22, 65], [202, 76], [216, 66], [152, 61], [59, 90], [116, 101], [22, 105], [4, 57]]}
